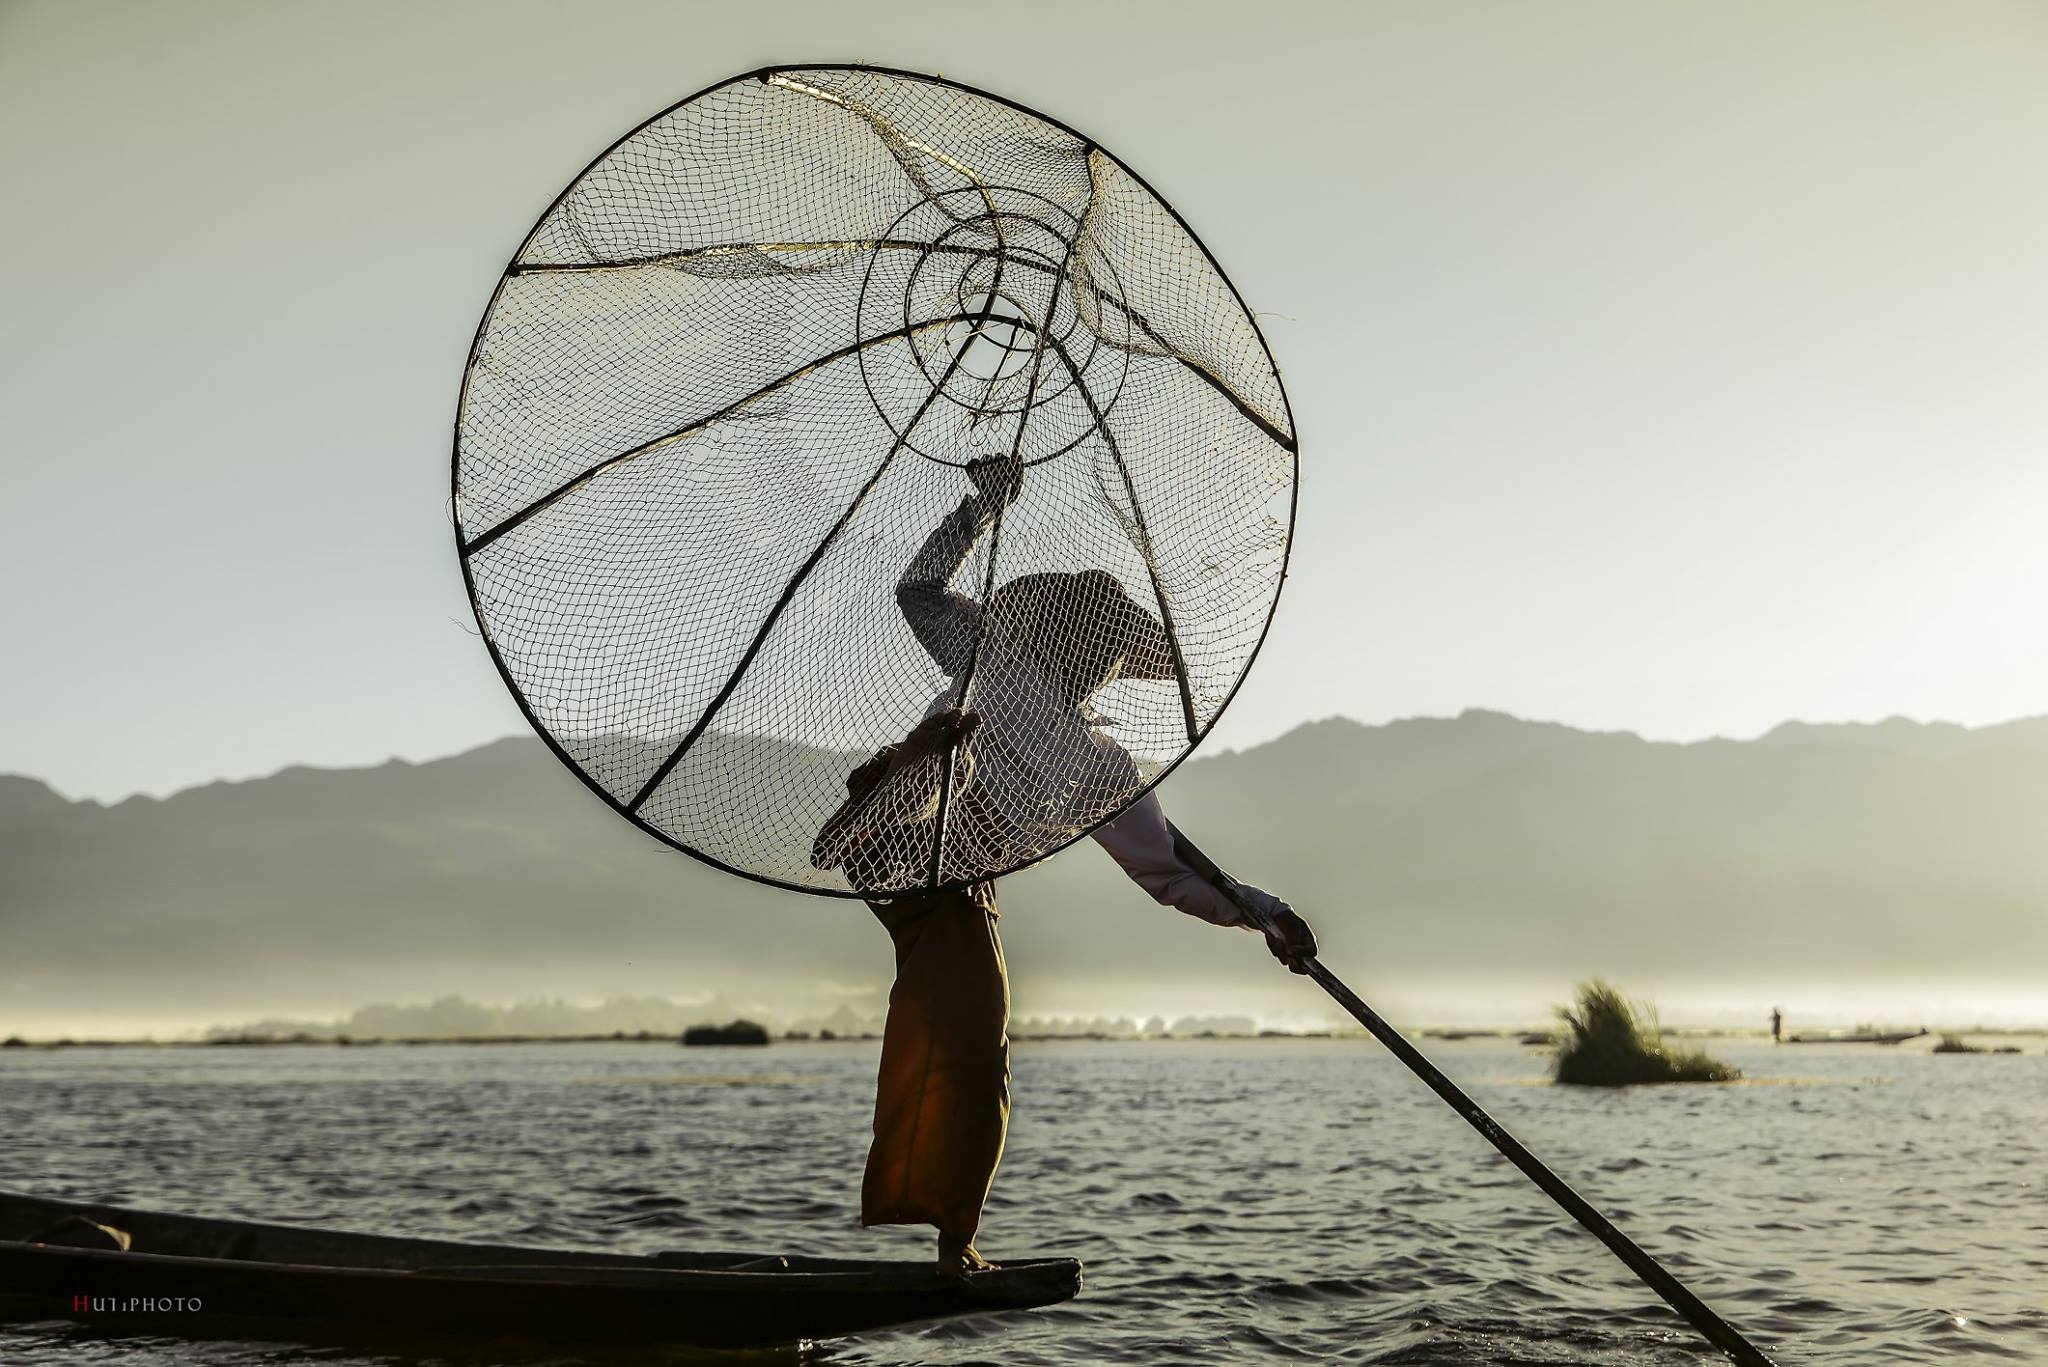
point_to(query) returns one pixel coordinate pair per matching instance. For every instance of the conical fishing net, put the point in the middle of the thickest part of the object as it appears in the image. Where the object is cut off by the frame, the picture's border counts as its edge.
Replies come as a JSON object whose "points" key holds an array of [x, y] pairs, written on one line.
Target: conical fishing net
{"points": [[868, 485]]}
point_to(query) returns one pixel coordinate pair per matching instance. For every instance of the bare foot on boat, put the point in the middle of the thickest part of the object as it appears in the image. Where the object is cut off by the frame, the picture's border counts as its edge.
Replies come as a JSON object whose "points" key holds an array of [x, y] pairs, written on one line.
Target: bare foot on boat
{"points": [[958, 1258]]}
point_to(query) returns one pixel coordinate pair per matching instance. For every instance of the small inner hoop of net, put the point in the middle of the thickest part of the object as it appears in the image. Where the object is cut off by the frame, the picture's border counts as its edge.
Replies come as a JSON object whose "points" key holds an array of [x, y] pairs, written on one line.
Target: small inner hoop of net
{"points": [[714, 503]]}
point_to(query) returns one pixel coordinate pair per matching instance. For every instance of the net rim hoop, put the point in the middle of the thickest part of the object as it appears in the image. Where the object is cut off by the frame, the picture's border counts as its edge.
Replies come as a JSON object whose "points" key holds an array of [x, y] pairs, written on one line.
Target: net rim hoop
{"points": [[762, 74]]}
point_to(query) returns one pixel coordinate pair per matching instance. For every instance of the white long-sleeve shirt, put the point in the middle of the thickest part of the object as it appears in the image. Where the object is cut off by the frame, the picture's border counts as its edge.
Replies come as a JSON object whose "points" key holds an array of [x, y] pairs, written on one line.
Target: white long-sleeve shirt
{"points": [[1142, 845]]}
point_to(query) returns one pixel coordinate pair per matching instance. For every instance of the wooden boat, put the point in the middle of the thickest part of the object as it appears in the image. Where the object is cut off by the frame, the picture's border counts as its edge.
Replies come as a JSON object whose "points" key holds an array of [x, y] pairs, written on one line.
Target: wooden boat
{"points": [[209, 1278], [1889, 1037]]}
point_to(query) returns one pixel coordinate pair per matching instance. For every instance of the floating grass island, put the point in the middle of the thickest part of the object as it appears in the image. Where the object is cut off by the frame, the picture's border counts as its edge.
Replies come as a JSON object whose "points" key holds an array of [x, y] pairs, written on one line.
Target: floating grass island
{"points": [[735, 1032], [1956, 1044], [1609, 1041]]}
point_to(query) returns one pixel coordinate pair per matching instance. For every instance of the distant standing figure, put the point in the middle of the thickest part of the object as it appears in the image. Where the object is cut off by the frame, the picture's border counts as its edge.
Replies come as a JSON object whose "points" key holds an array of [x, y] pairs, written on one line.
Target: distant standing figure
{"points": [[1777, 1026]]}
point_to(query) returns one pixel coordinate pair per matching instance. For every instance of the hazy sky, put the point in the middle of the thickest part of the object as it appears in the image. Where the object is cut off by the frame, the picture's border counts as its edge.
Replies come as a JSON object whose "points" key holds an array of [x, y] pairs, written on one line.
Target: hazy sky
{"points": [[1679, 368]]}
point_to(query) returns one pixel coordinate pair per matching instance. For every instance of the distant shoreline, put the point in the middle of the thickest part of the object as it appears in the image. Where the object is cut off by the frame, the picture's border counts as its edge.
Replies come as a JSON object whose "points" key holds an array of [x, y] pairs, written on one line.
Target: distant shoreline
{"points": [[1534, 1039], [639, 1037]]}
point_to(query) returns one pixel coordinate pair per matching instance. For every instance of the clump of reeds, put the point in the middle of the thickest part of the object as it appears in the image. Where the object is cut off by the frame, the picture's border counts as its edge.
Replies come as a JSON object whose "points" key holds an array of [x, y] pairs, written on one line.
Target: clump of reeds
{"points": [[1956, 1044], [1609, 1041], [734, 1032]]}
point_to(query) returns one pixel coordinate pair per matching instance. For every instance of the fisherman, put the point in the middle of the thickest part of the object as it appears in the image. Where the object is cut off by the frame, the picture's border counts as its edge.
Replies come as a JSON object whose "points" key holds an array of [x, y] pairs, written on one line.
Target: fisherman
{"points": [[942, 1102]]}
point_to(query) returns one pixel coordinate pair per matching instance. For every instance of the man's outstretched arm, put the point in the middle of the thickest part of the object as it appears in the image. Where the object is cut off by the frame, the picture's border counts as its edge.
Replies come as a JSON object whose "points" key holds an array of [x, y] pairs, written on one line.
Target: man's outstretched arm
{"points": [[1142, 845], [945, 622]]}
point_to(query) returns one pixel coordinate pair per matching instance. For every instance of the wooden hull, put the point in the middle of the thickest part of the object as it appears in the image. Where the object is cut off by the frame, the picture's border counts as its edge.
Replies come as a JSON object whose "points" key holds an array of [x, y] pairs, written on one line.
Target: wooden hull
{"points": [[239, 1271]]}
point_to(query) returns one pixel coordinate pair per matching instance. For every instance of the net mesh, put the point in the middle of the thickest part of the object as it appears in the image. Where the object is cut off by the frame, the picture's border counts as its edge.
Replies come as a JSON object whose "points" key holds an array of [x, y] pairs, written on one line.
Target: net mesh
{"points": [[868, 485]]}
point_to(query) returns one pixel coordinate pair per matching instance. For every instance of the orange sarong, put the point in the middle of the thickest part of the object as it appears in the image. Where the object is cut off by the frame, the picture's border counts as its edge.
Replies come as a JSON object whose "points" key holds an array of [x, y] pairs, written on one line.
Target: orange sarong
{"points": [[942, 1100]]}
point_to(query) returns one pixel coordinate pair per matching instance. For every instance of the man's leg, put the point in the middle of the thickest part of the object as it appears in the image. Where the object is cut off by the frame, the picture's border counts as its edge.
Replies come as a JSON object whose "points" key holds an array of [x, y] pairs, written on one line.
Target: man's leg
{"points": [[942, 1099]]}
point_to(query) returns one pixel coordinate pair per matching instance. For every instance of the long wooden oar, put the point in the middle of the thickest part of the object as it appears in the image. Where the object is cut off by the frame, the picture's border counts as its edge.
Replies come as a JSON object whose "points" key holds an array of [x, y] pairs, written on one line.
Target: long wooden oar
{"points": [[1716, 1330]]}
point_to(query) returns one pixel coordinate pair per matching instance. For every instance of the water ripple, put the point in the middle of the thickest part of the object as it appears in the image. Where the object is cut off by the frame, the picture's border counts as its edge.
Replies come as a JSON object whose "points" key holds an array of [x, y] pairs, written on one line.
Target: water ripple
{"points": [[1247, 1202]]}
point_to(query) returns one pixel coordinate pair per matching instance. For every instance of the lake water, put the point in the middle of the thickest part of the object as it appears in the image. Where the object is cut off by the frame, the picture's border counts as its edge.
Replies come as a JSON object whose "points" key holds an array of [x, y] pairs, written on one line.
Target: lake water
{"points": [[1235, 1201]]}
